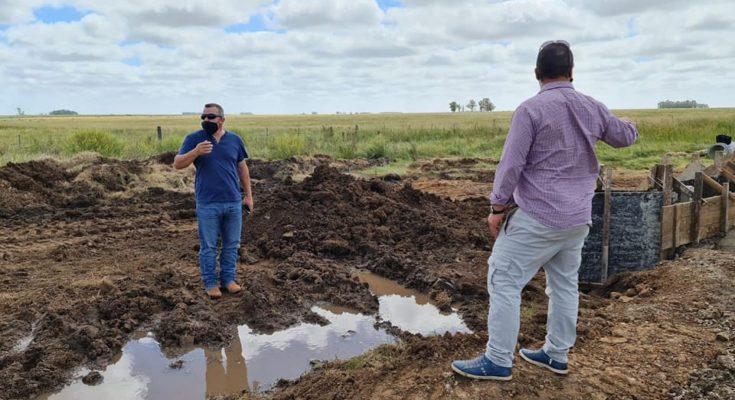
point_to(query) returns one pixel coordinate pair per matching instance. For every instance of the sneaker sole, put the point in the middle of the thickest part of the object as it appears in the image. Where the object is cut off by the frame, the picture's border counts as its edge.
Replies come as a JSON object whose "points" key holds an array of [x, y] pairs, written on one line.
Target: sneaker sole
{"points": [[547, 366], [482, 377]]}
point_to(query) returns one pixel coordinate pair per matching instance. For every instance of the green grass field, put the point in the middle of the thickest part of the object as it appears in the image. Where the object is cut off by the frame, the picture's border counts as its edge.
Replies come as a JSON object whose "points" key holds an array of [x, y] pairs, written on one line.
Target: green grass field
{"points": [[399, 137]]}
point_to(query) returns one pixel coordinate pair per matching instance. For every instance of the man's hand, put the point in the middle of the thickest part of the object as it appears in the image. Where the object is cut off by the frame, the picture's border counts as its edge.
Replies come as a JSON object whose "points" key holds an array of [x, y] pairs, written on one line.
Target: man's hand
{"points": [[203, 148], [494, 222], [248, 202]]}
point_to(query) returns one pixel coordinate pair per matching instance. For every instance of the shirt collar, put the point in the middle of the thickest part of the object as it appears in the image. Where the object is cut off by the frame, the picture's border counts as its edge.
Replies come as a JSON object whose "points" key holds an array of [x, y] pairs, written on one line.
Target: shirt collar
{"points": [[556, 85]]}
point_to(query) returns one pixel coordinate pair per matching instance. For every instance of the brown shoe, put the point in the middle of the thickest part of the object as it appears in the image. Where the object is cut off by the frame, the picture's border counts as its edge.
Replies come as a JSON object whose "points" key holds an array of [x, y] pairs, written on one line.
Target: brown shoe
{"points": [[214, 293], [233, 288]]}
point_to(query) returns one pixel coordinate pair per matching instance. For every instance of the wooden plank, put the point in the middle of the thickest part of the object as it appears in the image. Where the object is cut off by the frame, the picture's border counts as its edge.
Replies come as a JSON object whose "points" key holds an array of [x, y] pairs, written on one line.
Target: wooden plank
{"points": [[709, 217], [684, 191], [696, 206], [683, 223], [716, 186], [724, 206], [676, 225], [667, 231], [607, 204], [677, 219], [727, 174]]}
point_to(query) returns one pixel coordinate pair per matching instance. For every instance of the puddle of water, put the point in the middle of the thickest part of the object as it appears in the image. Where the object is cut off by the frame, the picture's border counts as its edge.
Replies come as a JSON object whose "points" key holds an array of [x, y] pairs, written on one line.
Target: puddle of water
{"points": [[410, 310], [255, 362]]}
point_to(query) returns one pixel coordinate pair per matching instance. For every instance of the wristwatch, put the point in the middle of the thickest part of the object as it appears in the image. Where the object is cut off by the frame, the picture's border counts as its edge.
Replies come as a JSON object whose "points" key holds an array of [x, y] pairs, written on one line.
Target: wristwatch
{"points": [[493, 211]]}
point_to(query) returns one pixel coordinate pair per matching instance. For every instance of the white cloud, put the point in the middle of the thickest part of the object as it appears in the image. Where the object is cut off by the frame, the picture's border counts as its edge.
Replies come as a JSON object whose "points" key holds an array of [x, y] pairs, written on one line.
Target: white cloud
{"points": [[349, 55], [328, 14]]}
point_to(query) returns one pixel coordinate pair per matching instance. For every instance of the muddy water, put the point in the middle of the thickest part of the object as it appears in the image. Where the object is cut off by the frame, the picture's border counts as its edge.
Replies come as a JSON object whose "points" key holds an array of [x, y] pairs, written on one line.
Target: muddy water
{"points": [[255, 362]]}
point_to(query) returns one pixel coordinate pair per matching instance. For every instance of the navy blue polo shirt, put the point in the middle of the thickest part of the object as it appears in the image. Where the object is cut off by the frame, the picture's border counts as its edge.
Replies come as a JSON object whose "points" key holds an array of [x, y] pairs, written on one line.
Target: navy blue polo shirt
{"points": [[217, 178]]}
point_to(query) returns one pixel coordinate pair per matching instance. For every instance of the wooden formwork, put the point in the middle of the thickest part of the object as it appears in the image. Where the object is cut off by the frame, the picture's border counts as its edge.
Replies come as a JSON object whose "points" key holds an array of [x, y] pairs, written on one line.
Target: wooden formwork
{"points": [[706, 214], [635, 234]]}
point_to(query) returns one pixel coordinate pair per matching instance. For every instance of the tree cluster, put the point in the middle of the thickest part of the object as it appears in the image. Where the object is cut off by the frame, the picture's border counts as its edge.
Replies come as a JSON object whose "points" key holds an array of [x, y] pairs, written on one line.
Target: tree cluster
{"points": [[485, 105], [63, 112], [681, 104]]}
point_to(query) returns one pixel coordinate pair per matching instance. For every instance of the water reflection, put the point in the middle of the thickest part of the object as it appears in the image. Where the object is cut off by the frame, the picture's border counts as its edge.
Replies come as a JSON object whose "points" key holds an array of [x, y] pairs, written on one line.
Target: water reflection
{"points": [[252, 362], [410, 310], [255, 362], [226, 371]]}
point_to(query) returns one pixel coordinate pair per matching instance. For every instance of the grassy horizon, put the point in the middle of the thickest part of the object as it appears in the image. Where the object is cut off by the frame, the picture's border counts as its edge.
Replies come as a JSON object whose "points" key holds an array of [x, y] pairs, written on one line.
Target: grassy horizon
{"points": [[396, 136]]}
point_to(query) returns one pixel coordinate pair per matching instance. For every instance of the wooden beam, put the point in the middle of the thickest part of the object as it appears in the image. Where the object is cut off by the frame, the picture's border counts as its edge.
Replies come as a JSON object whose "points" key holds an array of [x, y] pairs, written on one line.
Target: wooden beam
{"points": [[697, 206], [716, 186], [683, 189], [727, 174]]}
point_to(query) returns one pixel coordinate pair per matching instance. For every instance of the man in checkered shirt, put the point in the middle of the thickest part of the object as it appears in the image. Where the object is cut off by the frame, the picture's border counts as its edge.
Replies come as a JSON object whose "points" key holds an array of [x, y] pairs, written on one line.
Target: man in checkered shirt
{"points": [[549, 169]]}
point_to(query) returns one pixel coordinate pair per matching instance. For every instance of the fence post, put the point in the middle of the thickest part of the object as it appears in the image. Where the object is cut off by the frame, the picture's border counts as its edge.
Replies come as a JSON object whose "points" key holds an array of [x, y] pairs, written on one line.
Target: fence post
{"points": [[607, 205], [725, 206], [159, 132], [696, 206], [664, 174]]}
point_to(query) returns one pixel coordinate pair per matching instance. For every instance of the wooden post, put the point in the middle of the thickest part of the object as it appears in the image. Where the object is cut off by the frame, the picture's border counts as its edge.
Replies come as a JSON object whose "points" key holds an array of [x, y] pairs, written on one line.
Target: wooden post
{"points": [[665, 173], [719, 160], [607, 205], [724, 207], [653, 176], [696, 206], [159, 133], [677, 224]]}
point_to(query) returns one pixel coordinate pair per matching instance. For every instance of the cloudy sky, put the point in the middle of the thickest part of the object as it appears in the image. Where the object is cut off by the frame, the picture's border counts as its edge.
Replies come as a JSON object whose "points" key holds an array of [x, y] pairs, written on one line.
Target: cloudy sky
{"points": [[294, 56]]}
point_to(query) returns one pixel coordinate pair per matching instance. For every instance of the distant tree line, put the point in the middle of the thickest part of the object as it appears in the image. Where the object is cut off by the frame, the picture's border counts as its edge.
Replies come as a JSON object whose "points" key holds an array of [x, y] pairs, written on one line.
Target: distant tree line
{"points": [[681, 104], [63, 112], [485, 105]]}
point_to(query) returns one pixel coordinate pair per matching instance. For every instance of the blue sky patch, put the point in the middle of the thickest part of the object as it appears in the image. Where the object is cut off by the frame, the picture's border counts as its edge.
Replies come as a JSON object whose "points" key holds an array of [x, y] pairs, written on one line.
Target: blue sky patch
{"points": [[386, 4], [643, 59], [128, 42], [632, 27], [51, 15], [133, 62], [255, 24]]}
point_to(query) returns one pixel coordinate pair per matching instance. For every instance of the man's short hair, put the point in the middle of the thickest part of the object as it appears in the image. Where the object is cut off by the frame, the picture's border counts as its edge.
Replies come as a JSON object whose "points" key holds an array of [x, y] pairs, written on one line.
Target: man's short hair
{"points": [[554, 60], [219, 107]]}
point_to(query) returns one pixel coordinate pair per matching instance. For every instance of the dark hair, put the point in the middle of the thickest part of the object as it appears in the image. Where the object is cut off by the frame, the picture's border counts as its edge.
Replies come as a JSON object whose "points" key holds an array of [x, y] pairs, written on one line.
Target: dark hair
{"points": [[219, 107], [554, 60]]}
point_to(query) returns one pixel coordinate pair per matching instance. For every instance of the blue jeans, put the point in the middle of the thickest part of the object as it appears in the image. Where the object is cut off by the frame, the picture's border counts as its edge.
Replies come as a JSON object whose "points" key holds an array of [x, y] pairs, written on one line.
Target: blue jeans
{"points": [[218, 220]]}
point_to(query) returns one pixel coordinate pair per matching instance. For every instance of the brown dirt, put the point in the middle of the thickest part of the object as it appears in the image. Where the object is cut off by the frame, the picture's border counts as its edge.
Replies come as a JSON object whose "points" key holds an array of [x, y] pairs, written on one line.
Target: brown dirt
{"points": [[96, 249]]}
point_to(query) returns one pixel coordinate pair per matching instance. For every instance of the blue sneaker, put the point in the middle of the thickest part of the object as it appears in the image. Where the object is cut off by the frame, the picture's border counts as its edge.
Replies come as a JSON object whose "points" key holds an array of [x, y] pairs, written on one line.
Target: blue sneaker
{"points": [[539, 358], [481, 368]]}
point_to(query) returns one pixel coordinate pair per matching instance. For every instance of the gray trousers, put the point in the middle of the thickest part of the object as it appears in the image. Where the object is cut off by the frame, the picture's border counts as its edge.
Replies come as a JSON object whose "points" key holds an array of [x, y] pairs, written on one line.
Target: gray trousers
{"points": [[523, 246]]}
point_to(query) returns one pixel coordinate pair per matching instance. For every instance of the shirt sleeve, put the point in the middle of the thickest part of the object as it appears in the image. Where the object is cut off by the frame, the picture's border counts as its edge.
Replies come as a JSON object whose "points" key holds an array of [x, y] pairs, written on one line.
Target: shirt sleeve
{"points": [[618, 133], [188, 145], [515, 152], [242, 153]]}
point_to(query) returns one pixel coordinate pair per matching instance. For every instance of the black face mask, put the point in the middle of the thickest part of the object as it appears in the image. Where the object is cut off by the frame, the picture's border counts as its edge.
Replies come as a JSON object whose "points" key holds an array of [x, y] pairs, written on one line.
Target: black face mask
{"points": [[209, 127]]}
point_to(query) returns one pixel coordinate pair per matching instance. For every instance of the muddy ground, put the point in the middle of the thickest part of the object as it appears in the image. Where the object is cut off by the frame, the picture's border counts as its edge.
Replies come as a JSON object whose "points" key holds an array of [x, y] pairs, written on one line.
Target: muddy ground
{"points": [[93, 249]]}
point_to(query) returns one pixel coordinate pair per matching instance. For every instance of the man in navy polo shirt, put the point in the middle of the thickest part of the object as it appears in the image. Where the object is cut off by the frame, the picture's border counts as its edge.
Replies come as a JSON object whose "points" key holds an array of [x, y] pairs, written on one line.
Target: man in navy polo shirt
{"points": [[221, 171]]}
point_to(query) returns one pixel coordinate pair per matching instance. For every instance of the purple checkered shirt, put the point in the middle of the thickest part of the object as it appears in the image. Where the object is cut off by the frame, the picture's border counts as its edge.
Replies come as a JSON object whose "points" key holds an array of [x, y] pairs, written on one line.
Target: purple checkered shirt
{"points": [[549, 166]]}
